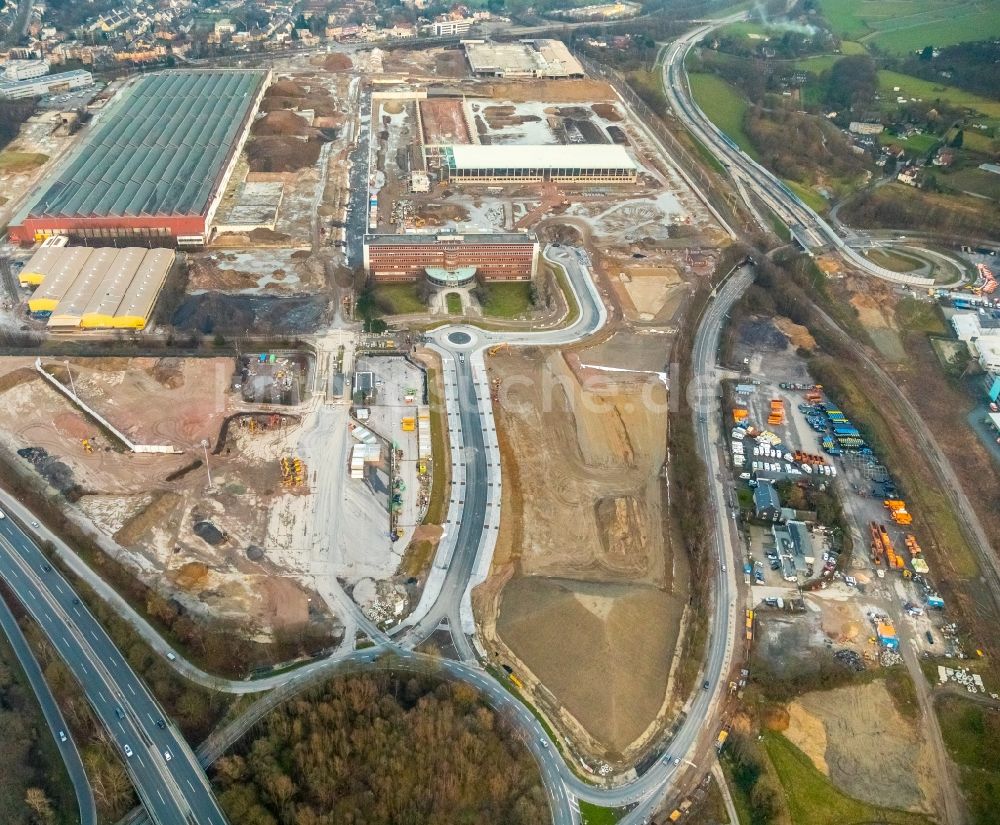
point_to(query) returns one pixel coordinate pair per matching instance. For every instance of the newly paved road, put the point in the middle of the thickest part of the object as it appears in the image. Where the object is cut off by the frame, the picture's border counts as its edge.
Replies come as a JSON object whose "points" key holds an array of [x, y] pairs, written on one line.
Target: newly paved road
{"points": [[174, 791], [53, 716]]}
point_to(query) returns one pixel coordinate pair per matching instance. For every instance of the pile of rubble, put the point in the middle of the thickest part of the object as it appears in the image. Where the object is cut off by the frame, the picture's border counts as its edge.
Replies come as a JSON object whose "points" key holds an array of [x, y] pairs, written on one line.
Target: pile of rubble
{"points": [[972, 682], [850, 659], [889, 657]]}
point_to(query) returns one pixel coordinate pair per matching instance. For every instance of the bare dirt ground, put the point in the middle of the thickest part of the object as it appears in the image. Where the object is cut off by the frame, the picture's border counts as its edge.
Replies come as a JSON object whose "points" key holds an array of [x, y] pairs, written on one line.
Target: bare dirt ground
{"points": [[428, 63], [856, 735], [157, 506], [444, 121], [555, 91], [590, 577], [259, 271]]}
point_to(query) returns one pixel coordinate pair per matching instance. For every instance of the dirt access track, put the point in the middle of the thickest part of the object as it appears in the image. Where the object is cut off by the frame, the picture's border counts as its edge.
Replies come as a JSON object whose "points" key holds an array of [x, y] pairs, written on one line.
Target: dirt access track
{"points": [[583, 596]]}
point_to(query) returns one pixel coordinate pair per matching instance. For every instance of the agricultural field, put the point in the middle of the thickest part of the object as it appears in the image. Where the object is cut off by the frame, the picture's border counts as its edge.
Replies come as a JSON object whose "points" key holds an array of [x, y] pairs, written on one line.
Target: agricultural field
{"points": [[900, 26], [910, 86]]}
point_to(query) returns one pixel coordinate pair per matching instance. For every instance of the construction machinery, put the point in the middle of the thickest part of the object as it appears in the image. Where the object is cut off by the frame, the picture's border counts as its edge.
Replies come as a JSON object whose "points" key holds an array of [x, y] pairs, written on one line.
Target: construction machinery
{"points": [[777, 414], [897, 509], [87, 446], [498, 348]]}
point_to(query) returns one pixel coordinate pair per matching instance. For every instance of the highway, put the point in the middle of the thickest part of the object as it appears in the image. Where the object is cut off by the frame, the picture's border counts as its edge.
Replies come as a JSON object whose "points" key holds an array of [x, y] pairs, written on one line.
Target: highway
{"points": [[808, 228], [53, 716], [174, 791]]}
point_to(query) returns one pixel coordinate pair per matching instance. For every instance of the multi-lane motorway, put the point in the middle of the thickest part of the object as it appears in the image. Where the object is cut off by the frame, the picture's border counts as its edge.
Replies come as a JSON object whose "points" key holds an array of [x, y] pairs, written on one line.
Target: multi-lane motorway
{"points": [[808, 228], [171, 784]]}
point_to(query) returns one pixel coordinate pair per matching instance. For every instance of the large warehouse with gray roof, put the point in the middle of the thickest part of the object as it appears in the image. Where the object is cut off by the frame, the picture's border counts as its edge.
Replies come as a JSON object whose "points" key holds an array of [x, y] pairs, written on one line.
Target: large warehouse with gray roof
{"points": [[155, 165]]}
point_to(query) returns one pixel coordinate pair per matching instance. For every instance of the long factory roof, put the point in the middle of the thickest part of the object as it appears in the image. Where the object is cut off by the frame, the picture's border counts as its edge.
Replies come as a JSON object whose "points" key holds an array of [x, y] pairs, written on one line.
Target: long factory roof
{"points": [[571, 156], [159, 150]]}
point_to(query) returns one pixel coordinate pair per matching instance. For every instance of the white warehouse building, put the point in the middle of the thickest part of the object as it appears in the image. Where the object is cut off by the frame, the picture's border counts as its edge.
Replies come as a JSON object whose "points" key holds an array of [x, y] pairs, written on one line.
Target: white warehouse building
{"points": [[575, 163], [46, 84]]}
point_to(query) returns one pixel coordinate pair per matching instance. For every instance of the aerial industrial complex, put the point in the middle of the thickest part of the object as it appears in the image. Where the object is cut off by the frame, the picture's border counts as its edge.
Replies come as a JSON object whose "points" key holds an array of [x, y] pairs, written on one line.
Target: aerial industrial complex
{"points": [[156, 166], [105, 288]]}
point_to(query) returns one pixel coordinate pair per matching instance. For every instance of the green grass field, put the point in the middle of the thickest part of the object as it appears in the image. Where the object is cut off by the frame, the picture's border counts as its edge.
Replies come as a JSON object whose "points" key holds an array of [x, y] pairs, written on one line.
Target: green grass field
{"points": [[926, 90], [813, 800], [892, 260], [917, 144], [813, 199], [507, 300], [899, 26], [724, 106], [454, 302], [971, 734], [591, 814], [16, 162], [398, 299], [976, 181]]}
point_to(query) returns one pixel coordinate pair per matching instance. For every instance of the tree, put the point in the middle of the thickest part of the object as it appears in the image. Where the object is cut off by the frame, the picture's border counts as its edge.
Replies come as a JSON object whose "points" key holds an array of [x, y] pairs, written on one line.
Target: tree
{"points": [[853, 82], [959, 139], [927, 53], [41, 807]]}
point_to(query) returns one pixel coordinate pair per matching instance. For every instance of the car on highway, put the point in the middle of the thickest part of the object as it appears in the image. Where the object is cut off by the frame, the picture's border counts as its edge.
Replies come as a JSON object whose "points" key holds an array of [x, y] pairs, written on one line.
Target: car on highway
{"points": [[723, 568], [127, 749], [677, 760], [62, 736], [34, 524], [119, 713], [461, 357], [2, 515], [543, 743], [171, 656], [47, 567], [166, 756], [705, 685], [160, 724]]}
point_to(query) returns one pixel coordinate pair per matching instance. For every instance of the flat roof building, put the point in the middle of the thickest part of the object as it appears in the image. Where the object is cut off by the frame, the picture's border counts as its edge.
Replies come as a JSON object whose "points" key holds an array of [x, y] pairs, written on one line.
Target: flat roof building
{"points": [[575, 163], [525, 58], [451, 259], [157, 163], [46, 84]]}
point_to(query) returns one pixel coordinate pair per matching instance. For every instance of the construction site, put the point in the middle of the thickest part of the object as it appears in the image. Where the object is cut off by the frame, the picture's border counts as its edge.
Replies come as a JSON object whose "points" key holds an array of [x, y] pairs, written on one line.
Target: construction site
{"points": [[585, 597], [232, 483], [439, 163]]}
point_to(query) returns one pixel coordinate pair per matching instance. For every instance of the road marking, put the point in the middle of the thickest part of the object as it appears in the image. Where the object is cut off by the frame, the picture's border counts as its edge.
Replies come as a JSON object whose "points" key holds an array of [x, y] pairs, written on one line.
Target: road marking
{"points": [[101, 694], [84, 668], [59, 587], [131, 689], [189, 784], [93, 635], [65, 641], [31, 593], [164, 801]]}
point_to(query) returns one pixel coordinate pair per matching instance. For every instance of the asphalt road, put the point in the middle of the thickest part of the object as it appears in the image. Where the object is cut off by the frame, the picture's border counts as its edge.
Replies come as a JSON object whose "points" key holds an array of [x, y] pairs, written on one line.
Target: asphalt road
{"points": [[53, 716], [174, 791], [808, 228]]}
